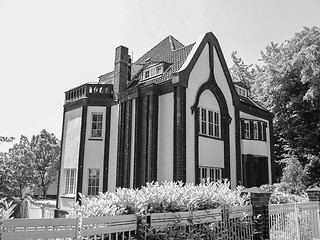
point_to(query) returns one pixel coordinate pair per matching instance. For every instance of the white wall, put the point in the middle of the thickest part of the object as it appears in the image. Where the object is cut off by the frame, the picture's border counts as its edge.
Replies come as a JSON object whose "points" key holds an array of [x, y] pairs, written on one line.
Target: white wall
{"points": [[165, 138], [133, 132], [113, 148], [199, 75], [70, 151], [223, 85], [94, 149]]}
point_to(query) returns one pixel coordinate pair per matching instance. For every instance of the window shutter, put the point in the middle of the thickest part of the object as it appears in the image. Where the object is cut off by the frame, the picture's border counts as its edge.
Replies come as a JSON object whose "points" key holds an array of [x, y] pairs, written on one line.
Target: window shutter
{"points": [[260, 127], [242, 128], [251, 129], [264, 131]]}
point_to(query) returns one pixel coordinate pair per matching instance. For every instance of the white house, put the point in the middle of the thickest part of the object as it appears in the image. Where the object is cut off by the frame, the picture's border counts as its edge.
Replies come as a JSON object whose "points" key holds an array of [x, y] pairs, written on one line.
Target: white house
{"points": [[174, 114]]}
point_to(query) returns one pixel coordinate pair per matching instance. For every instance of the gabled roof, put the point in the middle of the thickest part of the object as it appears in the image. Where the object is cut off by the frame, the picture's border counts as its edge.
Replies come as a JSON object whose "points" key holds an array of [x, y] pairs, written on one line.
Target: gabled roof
{"points": [[170, 51]]}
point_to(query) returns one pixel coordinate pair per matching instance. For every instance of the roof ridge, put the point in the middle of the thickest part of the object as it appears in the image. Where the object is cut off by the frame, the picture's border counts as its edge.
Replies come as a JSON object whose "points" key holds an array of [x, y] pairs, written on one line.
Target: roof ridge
{"points": [[171, 40]]}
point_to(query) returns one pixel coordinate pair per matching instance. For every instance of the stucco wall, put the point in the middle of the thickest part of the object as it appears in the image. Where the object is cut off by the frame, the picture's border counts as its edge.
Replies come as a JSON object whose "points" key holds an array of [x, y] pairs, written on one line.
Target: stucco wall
{"points": [[94, 149], [113, 148], [165, 138], [198, 76], [70, 151], [223, 85]]}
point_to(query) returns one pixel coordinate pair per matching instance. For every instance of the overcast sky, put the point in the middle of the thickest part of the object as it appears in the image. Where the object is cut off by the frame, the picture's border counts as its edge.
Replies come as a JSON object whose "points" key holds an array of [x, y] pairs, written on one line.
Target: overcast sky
{"points": [[50, 46]]}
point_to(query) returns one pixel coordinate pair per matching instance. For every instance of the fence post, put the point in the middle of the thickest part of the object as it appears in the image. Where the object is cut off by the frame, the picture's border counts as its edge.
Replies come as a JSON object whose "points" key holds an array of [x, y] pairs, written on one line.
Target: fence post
{"points": [[79, 226], [260, 206]]}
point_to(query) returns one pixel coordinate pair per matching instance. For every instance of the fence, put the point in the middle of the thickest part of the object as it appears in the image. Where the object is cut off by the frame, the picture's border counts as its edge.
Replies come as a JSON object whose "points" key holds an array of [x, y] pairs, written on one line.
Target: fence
{"points": [[294, 221], [237, 224]]}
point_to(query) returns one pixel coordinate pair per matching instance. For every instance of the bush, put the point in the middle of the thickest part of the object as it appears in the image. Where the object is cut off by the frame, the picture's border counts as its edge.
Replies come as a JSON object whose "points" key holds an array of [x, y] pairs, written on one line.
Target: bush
{"points": [[281, 193], [165, 197]]}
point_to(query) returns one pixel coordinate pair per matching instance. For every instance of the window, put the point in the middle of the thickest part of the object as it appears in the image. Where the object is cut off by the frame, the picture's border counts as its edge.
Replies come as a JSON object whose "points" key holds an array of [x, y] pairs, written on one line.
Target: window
{"points": [[211, 173], [152, 71], [96, 129], [93, 181], [246, 129], [70, 176], [255, 130], [209, 122], [241, 91]]}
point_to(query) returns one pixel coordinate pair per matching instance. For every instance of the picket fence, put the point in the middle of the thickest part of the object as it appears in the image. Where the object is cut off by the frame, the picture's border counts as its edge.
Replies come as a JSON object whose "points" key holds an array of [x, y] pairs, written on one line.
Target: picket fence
{"points": [[236, 223], [296, 221]]}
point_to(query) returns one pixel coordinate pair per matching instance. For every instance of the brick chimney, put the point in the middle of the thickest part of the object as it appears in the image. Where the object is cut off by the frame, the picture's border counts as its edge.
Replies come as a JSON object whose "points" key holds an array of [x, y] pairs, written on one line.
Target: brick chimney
{"points": [[121, 70]]}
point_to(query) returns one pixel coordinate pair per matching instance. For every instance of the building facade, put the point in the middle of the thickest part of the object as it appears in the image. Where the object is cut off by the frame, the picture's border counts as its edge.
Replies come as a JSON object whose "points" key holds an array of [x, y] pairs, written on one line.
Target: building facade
{"points": [[174, 114]]}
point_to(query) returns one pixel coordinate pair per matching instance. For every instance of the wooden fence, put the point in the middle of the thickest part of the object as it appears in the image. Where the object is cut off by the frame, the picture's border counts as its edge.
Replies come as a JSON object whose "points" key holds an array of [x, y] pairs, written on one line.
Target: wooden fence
{"points": [[298, 221], [236, 223]]}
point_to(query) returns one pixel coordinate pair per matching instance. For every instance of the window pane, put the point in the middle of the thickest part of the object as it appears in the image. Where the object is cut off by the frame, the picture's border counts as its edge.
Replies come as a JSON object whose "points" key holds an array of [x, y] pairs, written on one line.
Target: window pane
{"points": [[93, 181]]}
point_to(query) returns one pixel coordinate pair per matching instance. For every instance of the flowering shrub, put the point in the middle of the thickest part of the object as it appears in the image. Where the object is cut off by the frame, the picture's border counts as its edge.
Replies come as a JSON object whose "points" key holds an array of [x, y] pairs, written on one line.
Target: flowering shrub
{"points": [[165, 197], [6, 208], [280, 194]]}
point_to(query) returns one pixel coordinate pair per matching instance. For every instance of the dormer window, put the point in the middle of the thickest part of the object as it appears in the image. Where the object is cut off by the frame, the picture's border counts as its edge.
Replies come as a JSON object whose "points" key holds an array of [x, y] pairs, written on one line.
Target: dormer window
{"points": [[242, 91], [152, 71]]}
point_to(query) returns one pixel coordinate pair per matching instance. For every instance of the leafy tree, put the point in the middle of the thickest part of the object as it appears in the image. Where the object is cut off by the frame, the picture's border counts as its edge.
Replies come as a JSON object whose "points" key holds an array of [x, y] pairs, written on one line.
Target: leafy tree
{"points": [[18, 169], [241, 72], [46, 148], [288, 84]]}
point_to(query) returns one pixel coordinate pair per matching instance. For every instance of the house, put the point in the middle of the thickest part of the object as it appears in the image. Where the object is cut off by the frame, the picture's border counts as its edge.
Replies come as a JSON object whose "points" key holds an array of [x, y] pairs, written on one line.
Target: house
{"points": [[174, 114]]}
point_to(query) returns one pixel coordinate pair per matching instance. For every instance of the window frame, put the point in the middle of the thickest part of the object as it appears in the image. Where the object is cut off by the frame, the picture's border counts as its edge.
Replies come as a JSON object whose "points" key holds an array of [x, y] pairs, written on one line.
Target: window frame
{"points": [[246, 129], [93, 189], [152, 71], [209, 122], [70, 181], [213, 173], [92, 135]]}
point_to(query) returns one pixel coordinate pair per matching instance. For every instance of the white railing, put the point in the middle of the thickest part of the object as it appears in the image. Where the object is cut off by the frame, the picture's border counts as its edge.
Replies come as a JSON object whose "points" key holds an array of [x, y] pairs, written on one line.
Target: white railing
{"points": [[237, 223], [298, 221]]}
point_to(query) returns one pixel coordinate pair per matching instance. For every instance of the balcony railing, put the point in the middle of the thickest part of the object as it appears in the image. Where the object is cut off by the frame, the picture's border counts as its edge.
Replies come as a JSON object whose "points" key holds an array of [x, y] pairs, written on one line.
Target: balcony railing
{"points": [[89, 90]]}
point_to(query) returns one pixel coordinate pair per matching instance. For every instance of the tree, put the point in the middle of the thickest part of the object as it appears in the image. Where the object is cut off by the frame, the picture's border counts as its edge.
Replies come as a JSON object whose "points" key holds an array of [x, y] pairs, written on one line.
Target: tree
{"points": [[241, 72], [288, 84], [6, 139], [46, 148], [18, 169]]}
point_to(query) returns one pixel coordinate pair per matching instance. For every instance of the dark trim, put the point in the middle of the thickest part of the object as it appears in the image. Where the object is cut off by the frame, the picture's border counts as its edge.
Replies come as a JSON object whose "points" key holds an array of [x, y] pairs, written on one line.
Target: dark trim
{"points": [[81, 150], [239, 180], [179, 128], [136, 141], [60, 160], [95, 139], [88, 102], [106, 150], [272, 155], [196, 146], [211, 85], [257, 112], [183, 76]]}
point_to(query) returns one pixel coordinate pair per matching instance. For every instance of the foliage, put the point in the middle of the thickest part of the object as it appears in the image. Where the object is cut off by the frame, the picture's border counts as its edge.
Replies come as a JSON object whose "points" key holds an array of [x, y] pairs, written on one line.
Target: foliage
{"points": [[17, 169], [280, 193], [165, 197], [6, 139], [287, 83], [46, 148], [6, 208], [241, 72]]}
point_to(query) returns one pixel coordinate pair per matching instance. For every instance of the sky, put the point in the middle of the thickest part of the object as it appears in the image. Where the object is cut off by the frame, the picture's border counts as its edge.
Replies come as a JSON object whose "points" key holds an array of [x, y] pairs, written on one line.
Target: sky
{"points": [[50, 46]]}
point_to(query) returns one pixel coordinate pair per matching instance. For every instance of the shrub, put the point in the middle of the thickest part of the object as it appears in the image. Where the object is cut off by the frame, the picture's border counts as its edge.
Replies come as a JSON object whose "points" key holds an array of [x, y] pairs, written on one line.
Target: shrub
{"points": [[165, 197], [281, 193]]}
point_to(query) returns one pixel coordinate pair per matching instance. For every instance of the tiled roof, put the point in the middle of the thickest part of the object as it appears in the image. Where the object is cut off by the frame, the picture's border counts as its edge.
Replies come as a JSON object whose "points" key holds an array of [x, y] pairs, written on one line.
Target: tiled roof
{"points": [[241, 84], [169, 50], [251, 102]]}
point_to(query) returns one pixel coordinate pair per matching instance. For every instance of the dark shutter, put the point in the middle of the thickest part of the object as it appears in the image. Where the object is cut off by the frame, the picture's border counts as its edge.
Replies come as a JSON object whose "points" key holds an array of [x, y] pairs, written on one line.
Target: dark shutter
{"points": [[242, 129], [260, 127], [251, 129], [264, 131]]}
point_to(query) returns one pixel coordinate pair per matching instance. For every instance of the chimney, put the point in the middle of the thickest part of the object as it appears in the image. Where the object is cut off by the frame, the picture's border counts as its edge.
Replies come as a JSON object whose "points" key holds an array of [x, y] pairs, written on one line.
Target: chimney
{"points": [[122, 66]]}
